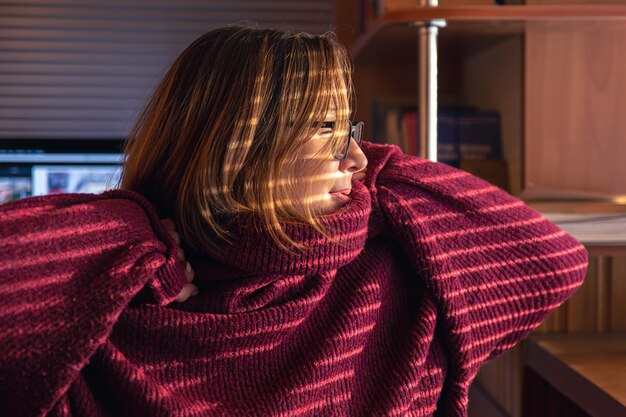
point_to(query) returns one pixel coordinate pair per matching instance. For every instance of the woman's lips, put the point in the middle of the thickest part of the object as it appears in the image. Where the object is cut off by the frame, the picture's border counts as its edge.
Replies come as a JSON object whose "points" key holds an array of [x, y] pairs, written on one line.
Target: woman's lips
{"points": [[341, 196]]}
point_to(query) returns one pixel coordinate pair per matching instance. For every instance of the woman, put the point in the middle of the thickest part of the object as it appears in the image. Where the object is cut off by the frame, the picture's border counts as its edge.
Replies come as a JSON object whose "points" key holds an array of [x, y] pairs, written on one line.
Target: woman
{"points": [[335, 277]]}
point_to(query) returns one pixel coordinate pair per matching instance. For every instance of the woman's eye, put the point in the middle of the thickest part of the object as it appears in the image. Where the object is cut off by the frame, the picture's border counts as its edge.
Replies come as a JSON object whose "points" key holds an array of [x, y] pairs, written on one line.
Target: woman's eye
{"points": [[326, 129]]}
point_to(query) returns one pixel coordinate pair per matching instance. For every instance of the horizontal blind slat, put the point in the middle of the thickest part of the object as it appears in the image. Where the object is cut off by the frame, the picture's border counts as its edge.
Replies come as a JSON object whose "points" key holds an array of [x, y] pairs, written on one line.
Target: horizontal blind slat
{"points": [[157, 14], [61, 134], [77, 92], [67, 76], [132, 73], [86, 46], [121, 57], [197, 5], [61, 34], [63, 124], [67, 114], [132, 25]]}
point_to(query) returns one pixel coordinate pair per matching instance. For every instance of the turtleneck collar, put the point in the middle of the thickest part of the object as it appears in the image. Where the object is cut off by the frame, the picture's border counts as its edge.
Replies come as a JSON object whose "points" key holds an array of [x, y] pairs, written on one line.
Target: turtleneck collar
{"points": [[254, 252]]}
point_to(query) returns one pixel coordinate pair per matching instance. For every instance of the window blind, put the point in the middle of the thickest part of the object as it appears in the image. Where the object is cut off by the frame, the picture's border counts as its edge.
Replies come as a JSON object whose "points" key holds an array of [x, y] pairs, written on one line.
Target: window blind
{"points": [[84, 69]]}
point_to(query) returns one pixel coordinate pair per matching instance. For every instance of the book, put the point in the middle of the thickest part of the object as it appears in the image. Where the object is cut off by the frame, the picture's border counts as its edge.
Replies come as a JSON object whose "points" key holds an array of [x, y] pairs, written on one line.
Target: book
{"points": [[410, 132], [479, 134], [448, 136], [392, 128], [467, 138]]}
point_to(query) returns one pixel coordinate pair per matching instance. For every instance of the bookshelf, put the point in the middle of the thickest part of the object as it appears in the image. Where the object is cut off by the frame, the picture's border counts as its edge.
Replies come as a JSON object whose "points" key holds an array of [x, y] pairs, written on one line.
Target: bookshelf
{"points": [[516, 60], [554, 73], [480, 20]]}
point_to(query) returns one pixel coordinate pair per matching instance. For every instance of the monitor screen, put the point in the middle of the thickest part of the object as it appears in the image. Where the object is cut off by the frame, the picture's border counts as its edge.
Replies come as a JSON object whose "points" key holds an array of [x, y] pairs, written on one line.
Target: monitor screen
{"points": [[39, 167]]}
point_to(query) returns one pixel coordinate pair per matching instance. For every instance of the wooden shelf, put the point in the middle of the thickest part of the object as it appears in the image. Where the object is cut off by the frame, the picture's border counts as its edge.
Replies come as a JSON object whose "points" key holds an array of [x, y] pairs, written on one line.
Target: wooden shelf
{"points": [[577, 206], [402, 39], [588, 369], [394, 27], [505, 13]]}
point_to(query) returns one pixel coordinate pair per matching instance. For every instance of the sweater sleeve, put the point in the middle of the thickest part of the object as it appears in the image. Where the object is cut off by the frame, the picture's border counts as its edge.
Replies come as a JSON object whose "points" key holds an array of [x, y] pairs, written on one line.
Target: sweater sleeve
{"points": [[496, 267], [69, 265]]}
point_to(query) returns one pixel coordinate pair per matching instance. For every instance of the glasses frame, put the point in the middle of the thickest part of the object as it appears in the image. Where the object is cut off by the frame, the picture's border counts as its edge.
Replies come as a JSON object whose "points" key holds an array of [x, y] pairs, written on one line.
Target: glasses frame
{"points": [[358, 127]]}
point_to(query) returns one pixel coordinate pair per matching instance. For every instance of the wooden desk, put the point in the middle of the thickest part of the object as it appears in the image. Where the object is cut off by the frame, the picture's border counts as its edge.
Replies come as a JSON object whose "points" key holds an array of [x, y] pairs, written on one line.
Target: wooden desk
{"points": [[589, 370], [602, 234]]}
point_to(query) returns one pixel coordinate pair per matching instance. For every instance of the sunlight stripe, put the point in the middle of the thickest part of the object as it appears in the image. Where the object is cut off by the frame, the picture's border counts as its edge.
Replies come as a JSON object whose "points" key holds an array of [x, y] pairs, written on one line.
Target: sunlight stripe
{"points": [[510, 243], [515, 280], [320, 384], [507, 263]]}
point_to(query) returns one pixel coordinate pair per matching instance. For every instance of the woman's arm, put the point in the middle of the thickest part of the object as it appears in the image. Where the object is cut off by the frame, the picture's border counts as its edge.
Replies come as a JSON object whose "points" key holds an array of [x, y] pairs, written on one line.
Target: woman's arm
{"points": [[496, 267], [69, 265]]}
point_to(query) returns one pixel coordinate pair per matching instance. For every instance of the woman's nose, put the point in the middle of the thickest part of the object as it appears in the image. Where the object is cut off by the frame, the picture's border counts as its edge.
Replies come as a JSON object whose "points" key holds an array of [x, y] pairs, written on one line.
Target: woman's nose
{"points": [[355, 160]]}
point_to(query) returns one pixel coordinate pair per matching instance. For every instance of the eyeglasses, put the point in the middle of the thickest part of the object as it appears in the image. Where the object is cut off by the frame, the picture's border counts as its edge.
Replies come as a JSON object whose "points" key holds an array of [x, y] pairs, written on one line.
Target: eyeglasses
{"points": [[354, 131]]}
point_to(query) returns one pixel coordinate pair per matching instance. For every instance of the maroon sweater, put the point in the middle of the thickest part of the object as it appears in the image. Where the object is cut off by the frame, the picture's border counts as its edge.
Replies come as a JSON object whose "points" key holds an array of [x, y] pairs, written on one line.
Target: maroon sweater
{"points": [[439, 273]]}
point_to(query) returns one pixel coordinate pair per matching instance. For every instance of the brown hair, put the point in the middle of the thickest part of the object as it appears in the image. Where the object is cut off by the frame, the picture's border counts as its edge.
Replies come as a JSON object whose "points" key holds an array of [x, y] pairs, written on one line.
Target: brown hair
{"points": [[221, 132]]}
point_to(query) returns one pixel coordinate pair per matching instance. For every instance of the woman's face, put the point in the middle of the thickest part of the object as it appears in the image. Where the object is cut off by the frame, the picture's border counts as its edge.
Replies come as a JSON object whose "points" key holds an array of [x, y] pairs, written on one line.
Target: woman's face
{"points": [[331, 181]]}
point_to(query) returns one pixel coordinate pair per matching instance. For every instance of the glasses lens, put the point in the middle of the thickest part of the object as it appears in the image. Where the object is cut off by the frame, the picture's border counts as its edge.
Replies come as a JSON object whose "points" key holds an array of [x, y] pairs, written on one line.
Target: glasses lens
{"points": [[358, 133], [352, 131], [343, 148]]}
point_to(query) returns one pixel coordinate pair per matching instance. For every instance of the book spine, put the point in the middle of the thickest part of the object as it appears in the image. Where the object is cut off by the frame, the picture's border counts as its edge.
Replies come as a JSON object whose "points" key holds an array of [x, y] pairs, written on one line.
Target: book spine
{"points": [[448, 137], [479, 135]]}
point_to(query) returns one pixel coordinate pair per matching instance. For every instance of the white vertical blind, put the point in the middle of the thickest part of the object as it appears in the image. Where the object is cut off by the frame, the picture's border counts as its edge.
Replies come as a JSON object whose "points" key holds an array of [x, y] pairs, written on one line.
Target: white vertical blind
{"points": [[77, 69]]}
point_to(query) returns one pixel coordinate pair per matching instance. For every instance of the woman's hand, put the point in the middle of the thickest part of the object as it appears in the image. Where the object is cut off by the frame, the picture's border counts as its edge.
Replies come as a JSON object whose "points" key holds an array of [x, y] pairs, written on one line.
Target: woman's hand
{"points": [[189, 290]]}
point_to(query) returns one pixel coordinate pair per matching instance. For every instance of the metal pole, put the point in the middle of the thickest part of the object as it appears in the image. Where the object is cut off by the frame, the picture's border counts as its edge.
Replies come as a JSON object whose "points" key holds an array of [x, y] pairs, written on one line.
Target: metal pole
{"points": [[427, 83]]}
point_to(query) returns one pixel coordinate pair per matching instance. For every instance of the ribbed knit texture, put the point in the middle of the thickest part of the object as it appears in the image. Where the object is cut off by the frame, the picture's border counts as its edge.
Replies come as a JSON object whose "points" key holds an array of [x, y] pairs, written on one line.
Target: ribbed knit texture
{"points": [[439, 272]]}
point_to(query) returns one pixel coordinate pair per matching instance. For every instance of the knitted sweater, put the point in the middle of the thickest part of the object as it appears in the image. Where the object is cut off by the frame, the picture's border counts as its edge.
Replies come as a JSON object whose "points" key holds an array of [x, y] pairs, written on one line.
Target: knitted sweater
{"points": [[439, 273]]}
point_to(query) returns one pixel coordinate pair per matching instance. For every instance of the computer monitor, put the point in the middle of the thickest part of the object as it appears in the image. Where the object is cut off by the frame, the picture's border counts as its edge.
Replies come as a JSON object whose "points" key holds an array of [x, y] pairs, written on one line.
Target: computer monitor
{"points": [[39, 167]]}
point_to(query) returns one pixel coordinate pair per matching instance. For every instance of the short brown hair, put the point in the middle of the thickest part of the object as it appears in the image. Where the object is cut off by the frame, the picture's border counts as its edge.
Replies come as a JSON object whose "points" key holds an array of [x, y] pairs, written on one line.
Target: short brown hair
{"points": [[226, 120]]}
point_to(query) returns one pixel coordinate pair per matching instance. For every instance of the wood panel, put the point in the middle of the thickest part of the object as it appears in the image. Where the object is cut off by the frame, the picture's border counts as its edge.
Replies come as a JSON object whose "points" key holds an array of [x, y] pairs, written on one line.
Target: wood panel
{"points": [[542, 400], [481, 405], [618, 294], [575, 131], [501, 380], [584, 311]]}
